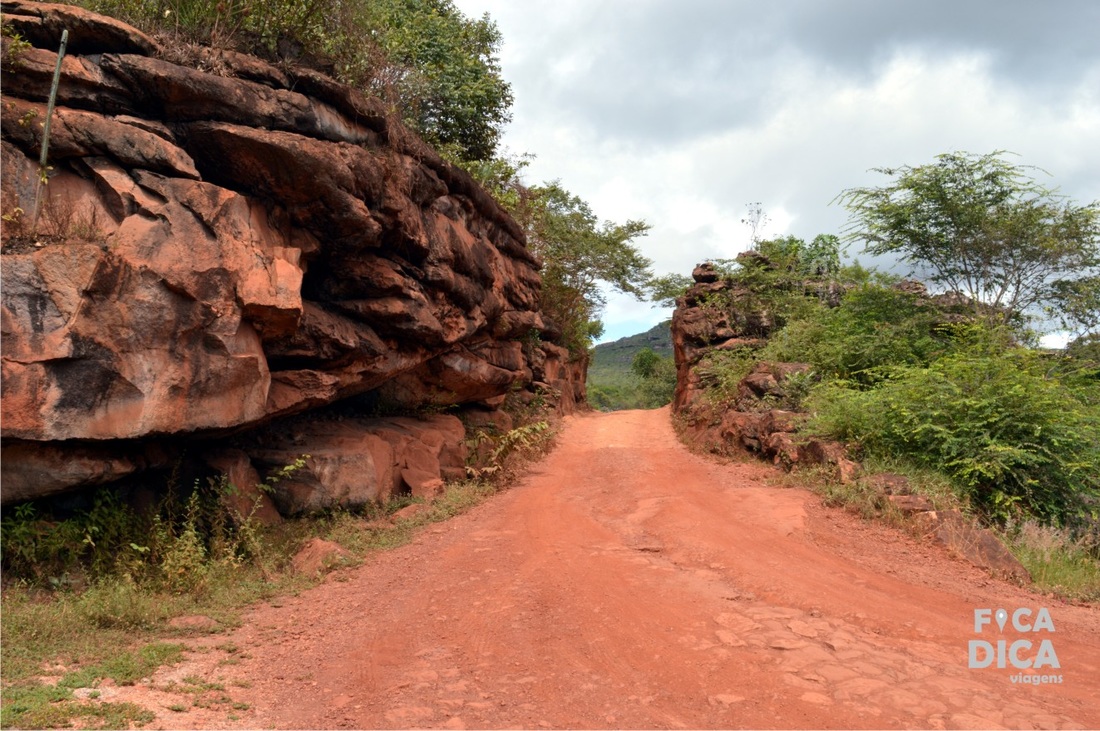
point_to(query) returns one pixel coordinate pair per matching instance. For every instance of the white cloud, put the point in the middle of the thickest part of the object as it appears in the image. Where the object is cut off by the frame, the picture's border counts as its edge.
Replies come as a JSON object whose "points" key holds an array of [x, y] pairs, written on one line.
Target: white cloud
{"points": [[681, 114]]}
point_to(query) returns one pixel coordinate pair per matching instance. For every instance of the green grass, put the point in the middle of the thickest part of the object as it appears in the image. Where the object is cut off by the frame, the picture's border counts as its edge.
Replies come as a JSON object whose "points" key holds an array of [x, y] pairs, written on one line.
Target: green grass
{"points": [[44, 706], [126, 668], [118, 627], [30, 703]]}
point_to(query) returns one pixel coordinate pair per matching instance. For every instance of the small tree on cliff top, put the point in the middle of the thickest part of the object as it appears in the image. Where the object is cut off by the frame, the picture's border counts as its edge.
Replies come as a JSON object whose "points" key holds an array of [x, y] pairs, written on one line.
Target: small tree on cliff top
{"points": [[580, 255], [982, 226]]}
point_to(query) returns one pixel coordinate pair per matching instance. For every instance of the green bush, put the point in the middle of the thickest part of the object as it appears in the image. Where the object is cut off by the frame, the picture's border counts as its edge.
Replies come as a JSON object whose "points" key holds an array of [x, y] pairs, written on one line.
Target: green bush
{"points": [[1013, 439], [36, 545], [172, 547], [875, 326], [437, 68], [720, 371]]}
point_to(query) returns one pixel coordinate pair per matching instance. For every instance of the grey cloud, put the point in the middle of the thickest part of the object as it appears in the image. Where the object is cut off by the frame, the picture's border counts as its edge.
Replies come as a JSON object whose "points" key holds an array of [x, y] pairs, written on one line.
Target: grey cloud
{"points": [[679, 70]]}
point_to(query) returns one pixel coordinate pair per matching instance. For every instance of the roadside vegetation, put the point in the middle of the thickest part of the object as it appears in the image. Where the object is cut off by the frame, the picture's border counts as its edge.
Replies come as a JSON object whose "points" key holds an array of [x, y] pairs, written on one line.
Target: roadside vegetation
{"points": [[952, 390], [90, 594], [967, 405]]}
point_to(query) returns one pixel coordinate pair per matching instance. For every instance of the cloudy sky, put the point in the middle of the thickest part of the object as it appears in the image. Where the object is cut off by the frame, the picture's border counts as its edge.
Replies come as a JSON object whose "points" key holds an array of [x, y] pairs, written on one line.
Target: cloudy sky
{"points": [[682, 112]]}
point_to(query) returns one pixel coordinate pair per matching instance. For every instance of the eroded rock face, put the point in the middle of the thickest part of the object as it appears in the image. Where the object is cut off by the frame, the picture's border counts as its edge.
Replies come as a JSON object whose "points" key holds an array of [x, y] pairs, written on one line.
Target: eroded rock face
{"points": [[350, 462], [214, 252]]}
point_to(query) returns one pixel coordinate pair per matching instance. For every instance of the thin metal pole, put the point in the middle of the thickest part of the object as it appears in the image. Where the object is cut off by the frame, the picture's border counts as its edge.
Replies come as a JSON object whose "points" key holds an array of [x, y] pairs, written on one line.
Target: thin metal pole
{"points": [[46, 131]]}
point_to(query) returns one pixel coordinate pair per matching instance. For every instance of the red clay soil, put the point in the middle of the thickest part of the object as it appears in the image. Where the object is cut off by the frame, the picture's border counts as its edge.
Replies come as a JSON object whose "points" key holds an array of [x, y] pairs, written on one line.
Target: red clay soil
{"points": [[628, 583]]}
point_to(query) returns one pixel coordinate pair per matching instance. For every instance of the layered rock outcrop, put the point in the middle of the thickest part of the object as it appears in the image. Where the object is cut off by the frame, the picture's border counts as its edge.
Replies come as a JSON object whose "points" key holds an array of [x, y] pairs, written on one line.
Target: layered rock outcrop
{"points": [[219, 249], [760, 416]]}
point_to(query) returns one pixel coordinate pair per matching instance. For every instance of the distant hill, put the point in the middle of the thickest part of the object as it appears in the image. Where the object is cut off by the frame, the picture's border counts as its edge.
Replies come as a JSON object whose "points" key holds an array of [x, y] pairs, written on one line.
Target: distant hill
{"points": [[611, 384], [621, 352]]}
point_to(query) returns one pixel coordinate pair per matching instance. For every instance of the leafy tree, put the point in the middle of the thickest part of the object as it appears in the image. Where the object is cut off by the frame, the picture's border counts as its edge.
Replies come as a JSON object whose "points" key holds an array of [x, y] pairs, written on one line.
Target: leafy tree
{"points": [[658, 376], [438, 68], [645, 363], [979, 225], [446, 72], [665, 289], [580, 255]]}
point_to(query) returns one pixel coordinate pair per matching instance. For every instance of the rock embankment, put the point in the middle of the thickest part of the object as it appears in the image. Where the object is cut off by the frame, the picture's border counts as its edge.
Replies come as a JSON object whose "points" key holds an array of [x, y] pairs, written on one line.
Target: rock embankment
{"points": [[225, 244], [762, 417]]}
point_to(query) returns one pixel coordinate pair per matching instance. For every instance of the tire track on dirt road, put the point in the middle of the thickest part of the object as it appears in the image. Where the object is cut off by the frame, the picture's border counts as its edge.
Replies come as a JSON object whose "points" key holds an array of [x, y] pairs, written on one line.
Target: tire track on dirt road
{"points": [[627, 583]]}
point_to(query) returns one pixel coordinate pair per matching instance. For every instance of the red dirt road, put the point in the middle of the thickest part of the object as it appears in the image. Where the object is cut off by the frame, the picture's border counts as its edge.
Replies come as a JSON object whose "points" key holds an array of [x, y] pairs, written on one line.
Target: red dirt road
{"points": [[627, 583]]}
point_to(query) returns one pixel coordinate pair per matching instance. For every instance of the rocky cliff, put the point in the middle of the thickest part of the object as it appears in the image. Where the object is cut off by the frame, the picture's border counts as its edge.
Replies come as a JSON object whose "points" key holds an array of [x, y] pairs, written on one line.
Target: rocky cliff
{"points": [[224, 250], [717, 314]]}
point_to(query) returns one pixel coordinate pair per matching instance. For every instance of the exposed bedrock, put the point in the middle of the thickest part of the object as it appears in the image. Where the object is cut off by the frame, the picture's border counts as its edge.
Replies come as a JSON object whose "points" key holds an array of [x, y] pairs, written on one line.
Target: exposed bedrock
{"points": [[214, 253]]}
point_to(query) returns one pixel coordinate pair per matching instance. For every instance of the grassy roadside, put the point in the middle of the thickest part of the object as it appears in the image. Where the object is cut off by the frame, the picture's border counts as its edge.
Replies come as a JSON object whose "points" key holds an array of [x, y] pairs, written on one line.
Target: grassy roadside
{"points": [[1059, 565], [60, 645]]}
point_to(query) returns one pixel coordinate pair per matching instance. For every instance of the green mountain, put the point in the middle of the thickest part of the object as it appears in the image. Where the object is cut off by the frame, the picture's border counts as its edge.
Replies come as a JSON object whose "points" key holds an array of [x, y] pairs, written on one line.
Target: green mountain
{"points": [[611, 383]]}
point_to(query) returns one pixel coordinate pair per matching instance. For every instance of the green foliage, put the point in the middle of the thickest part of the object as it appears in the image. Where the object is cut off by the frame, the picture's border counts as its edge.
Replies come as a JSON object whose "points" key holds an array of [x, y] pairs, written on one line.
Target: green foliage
{"points": [[614, 385], [174, 547], [658, 377], [492, 452], [580, 256], [1013, 439], [15, 45], [500, 176], [438, 68], [40, 547], [115, 627], [125, 668], [792, 255], [1085, 351], [979, 225], [782, 280], [667, 288], [42, 706], [720, 372], [449, 77], [645, 363], [34, 705], [875, 327]]}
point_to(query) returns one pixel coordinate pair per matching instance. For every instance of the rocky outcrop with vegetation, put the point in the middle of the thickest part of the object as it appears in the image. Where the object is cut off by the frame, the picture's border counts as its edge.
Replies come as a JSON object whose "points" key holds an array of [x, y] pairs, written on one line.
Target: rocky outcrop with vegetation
{"points": [[220, 246], [906, 403], [726, 398]]}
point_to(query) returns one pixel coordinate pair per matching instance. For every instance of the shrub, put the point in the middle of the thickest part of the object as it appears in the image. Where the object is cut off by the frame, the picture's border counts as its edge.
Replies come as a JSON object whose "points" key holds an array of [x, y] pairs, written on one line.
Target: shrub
{"points": [[875, 326], [720, 372], [174, 547], [1013, 439], [435, 66]]}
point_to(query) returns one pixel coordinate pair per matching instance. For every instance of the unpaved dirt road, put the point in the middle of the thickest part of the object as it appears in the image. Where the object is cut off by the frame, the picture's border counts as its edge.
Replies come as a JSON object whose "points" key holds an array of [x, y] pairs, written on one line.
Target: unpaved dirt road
{"points": [[627, 583]]}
